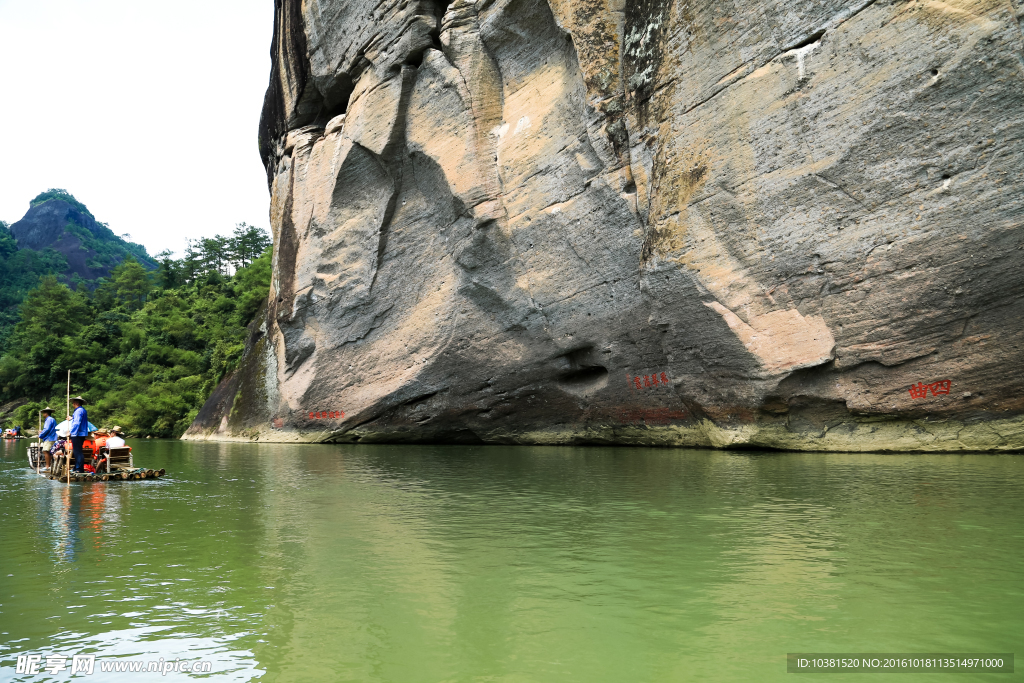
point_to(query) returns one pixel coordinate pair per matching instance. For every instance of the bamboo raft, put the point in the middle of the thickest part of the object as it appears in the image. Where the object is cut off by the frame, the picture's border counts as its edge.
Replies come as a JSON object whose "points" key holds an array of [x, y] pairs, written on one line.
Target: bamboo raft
{"points": [[120, 475], [119, 468]]}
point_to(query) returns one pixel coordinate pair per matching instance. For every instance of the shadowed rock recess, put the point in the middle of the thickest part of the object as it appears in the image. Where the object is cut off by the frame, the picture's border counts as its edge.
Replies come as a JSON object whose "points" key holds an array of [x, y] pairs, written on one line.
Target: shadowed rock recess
{"points": [[771, 223]]}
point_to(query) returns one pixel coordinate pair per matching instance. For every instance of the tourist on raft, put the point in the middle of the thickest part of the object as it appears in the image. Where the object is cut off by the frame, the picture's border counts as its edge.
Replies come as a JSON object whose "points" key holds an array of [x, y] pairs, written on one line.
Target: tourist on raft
{"points": [[99, 449], [60, 446], [103, 441], [79, 432], [48, 436], [117, 438]]}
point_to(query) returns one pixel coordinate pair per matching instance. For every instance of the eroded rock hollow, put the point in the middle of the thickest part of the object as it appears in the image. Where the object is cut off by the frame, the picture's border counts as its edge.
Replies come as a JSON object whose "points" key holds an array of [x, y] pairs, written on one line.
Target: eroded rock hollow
{"points": [[771, 223]]}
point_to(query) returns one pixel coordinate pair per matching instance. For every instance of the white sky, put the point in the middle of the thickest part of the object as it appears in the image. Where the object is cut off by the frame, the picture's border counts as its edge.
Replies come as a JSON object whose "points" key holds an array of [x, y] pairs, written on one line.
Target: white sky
{"points": [[146, 111]]}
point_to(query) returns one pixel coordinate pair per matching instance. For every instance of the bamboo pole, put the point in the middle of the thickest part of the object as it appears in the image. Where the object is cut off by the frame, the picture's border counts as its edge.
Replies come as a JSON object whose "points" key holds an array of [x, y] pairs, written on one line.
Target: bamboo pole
{"points": [[68, 458]]}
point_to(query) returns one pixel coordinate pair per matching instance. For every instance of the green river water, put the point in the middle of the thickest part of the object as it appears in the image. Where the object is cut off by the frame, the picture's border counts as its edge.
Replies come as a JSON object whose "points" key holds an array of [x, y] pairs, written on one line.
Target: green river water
{"points": [[405, 564]]}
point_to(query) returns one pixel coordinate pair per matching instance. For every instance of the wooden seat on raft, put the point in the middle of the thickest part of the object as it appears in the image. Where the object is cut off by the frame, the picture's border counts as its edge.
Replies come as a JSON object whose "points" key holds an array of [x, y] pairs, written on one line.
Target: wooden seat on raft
{"points": [[120, 458], [61, 462]]}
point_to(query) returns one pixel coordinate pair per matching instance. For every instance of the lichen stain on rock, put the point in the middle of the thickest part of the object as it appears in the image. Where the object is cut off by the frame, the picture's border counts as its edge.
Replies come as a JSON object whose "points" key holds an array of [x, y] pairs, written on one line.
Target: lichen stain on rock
{"points": [[668, 239], [490, 217]]}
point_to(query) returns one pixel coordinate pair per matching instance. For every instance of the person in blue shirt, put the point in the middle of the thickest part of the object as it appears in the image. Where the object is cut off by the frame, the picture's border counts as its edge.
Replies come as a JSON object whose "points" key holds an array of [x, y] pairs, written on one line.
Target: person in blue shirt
{"points": [[79, 432], [49, 433]]}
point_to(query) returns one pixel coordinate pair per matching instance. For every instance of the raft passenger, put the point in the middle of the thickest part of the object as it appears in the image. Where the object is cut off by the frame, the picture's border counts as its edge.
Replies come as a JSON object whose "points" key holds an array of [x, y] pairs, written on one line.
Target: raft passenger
{"points": [[99, 448], [48, 436], [117, 440]]}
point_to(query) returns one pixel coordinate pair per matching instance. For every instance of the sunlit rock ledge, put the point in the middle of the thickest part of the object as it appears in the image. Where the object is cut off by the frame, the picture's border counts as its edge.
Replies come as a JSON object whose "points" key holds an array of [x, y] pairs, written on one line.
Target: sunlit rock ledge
{"points": [[761, 224]]}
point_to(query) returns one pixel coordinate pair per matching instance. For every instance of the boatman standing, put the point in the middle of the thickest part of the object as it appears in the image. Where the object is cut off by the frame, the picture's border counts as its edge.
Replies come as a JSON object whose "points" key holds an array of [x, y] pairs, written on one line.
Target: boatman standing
{"points": [[49, 433], [79, 432]]}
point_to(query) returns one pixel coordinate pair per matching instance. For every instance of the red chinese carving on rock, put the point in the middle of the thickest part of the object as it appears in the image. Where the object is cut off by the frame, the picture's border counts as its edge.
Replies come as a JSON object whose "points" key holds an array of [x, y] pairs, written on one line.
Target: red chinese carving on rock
{"points": [[649, 381], [327, 415], [940, 388]]}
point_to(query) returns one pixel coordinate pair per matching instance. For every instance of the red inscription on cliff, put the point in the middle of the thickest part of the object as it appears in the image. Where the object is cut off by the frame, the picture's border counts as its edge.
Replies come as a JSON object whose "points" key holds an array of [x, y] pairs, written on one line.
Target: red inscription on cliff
{"points": [[940, 388], [649, 381], [327, 415]]}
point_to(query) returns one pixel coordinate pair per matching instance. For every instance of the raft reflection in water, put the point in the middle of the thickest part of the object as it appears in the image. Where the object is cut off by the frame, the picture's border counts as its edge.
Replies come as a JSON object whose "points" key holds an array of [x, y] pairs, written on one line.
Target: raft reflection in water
{"points": [[72, 511]]}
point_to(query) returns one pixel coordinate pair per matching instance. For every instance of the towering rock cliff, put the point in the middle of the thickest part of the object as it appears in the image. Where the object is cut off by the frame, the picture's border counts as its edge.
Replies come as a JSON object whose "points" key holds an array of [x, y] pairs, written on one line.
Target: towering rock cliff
{"points": [[793, 224]]}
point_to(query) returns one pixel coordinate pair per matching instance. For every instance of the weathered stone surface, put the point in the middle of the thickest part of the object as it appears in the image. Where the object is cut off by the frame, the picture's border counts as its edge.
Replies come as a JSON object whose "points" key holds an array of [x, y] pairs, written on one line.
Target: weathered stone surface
{"points": [[769, 223]]}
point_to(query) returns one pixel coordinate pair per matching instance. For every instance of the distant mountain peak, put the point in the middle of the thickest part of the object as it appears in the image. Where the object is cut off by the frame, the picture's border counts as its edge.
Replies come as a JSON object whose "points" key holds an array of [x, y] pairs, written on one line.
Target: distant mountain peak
{"points": [[59, 221], [63, 195]]}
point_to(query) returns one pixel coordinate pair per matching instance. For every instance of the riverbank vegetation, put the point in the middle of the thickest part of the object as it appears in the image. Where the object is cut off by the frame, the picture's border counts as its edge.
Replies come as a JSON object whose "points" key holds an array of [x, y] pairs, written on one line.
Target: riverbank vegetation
{"points": [[146, 348]]}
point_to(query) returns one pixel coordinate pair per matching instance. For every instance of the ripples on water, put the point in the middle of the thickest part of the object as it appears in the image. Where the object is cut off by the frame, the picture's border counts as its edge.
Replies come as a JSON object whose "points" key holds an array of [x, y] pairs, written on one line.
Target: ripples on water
{"points": [[431, 563]]}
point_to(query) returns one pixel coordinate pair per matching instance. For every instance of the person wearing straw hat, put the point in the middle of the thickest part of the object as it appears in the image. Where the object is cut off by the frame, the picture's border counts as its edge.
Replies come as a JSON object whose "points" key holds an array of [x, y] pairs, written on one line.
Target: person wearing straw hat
{"points": [[79, 432], [48, 434], [117, 438]]}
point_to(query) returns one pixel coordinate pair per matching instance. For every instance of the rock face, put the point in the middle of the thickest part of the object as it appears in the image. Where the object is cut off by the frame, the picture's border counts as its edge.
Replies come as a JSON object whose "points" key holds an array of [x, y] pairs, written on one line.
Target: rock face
{"points": [[769, 224], [72, 231]]}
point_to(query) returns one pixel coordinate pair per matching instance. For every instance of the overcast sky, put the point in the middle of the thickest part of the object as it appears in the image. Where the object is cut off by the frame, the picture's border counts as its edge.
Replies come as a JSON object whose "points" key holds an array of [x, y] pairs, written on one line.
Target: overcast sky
{"points": [[146, 111]]}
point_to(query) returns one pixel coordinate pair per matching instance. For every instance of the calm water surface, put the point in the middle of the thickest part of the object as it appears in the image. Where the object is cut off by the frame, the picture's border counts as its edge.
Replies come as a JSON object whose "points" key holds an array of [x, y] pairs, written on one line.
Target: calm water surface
{"points": [[430, 563]]}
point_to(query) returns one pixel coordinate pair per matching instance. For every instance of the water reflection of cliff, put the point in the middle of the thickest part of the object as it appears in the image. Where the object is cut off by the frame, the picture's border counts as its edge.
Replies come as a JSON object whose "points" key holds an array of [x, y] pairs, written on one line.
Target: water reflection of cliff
{"points": [[455, 561]]}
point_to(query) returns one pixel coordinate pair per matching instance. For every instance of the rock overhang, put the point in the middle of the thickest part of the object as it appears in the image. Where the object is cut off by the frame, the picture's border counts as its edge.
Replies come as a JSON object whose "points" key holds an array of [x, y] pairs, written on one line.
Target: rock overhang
{"points": [[714, 224]]}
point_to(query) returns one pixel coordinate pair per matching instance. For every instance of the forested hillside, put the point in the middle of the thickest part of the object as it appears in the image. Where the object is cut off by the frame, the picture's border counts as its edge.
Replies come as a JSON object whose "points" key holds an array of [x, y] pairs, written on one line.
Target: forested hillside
{"points": [[57, 236], [20, 270], [56, 214], [144, 347]]}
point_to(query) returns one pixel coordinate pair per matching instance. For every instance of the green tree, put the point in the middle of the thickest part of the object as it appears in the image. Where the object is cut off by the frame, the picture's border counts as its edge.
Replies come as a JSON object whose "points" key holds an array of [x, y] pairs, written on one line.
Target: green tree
{"points": [[193, 264], [246, 244], [8, 245], [132, 283], [39, 343], [216, 254], [168, 272], [251, 286], [147, 354], [20, 271]]}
